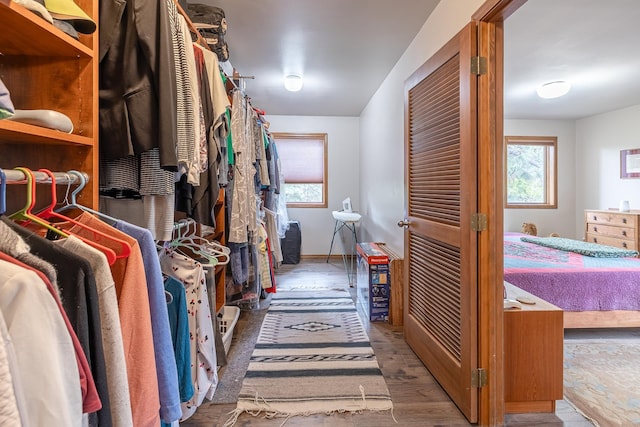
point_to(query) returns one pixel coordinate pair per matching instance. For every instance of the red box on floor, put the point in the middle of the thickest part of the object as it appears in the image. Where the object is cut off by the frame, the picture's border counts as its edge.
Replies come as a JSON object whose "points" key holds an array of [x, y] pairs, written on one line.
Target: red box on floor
{"points": [[372, 294]]}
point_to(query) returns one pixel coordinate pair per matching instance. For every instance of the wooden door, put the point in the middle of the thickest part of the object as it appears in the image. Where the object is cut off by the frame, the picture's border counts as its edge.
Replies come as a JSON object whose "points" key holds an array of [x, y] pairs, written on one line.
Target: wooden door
{"points": [[441, 200]]}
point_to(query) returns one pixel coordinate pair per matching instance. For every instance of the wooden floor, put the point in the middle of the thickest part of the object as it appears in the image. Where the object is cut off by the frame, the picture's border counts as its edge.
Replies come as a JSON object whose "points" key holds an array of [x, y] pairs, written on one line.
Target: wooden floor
{"points": [[418, 399]]}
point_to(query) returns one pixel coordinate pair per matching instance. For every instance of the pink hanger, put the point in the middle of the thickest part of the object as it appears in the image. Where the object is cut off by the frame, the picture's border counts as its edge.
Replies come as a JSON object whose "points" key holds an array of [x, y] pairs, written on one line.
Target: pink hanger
{"points": [[49, 213]]}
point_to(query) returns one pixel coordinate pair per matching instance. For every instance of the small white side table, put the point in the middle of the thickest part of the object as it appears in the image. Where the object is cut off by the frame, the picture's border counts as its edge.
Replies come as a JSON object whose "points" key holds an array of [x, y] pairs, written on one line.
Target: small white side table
{"points": [[347, 220]]}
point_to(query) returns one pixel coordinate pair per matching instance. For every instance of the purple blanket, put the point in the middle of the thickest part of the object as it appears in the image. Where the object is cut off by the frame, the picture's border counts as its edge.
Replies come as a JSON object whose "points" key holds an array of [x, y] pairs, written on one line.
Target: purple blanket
{"points": [[571, 281]]}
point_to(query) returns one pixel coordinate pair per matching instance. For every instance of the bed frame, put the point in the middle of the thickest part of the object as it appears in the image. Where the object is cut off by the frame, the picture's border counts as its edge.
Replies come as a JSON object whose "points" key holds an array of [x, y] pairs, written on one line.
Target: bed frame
{"points": [[601, 319]]}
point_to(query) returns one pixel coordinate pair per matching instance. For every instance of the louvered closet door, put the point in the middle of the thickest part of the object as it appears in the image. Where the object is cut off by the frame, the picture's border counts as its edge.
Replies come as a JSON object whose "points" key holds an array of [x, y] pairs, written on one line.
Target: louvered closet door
{"points": [[440, 246]]}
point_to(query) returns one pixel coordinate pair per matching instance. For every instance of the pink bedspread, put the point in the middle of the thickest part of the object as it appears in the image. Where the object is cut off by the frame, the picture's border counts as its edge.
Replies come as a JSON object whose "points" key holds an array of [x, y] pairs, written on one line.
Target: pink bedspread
{"points": [[571, 281]]}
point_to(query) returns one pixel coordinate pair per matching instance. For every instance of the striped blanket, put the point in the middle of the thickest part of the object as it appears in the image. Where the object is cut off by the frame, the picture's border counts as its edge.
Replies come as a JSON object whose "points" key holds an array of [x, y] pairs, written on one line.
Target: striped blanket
{"points": [[313, 356]]}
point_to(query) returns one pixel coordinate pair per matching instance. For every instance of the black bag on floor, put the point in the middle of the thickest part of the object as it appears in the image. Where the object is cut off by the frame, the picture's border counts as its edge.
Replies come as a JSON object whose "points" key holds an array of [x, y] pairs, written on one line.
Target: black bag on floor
{"points": [[291, 244]]}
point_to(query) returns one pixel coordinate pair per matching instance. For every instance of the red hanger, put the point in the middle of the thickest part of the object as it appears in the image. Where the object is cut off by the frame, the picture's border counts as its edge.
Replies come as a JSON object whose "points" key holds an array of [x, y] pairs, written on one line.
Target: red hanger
{"points": [[24, 215], [27, 216], [48, 213]]}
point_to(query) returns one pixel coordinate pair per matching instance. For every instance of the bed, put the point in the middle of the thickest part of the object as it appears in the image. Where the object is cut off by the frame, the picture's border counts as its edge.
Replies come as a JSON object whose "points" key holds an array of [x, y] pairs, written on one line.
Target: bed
{"points": [[593, 292]]}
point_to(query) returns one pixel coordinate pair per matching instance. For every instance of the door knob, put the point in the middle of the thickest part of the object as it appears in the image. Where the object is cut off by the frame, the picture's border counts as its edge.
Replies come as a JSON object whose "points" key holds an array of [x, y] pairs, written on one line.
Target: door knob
{"points": [[404, 223]]}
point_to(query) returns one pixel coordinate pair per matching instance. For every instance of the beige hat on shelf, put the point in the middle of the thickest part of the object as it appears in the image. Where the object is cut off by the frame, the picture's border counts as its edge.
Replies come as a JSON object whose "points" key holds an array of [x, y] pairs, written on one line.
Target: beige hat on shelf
{"points": [[44, 118], [69, 11]]}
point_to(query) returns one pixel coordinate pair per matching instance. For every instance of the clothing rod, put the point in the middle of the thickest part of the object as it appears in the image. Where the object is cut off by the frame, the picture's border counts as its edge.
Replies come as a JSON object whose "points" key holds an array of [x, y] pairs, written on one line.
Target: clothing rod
{"points": [[179, 225], [16, 176]]}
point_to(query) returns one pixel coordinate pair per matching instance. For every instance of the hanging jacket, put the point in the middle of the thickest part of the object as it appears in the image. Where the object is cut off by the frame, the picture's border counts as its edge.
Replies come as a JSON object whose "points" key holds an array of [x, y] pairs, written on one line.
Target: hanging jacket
{"points": [[137, 80]]}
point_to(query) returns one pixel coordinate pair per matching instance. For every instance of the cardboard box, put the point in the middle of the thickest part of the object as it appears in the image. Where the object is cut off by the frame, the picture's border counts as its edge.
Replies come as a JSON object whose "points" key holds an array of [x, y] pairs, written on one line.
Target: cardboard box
{"points": [[373, 290], [396, 285]]}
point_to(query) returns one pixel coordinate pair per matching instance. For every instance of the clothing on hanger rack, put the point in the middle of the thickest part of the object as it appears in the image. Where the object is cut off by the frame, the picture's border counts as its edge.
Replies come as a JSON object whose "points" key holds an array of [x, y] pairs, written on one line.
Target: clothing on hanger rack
{"points": [[26, 217], [40, 177], [187, 240], [73, 204], [48, 214]]}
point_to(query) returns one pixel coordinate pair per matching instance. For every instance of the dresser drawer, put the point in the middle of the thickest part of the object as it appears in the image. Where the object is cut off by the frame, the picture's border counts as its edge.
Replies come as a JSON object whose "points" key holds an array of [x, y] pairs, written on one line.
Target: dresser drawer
{"points": [[611, 231], [611, 241], [611, 218]]}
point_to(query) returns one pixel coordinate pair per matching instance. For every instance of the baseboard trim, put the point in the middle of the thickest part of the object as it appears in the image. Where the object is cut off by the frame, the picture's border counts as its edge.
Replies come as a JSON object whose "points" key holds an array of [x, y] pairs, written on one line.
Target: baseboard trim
{"points": [[322, 257]]}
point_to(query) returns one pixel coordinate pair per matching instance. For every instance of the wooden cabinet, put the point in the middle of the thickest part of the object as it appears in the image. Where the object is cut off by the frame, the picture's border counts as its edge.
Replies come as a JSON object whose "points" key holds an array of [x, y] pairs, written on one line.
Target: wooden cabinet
{"points": [[533, 355], [44, 68], [613, 228]]}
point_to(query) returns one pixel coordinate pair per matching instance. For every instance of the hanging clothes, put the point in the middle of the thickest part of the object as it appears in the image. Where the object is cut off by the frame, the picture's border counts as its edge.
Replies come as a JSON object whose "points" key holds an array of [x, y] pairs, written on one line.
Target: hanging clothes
{"points": [[112, 343], [273, 236], [78, 296], [48, 369], [272, 272], [243, 207], [260, 148], [135, 319], [165, 359], [185, 125], [188, 156], [204, 374], [179, 322], [137, 112], [263, 258], [12, 401]]}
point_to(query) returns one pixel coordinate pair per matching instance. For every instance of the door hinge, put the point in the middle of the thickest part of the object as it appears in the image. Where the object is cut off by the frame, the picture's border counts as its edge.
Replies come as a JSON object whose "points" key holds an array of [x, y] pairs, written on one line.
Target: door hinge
{"points": [[478, 221], [478, 377], [478, 65]]}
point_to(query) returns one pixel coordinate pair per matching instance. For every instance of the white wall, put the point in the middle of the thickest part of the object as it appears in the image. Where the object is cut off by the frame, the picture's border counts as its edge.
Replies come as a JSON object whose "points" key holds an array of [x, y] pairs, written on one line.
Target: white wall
{"points": [[382, 128], [561, 220], [343, 170], [599, 141]]}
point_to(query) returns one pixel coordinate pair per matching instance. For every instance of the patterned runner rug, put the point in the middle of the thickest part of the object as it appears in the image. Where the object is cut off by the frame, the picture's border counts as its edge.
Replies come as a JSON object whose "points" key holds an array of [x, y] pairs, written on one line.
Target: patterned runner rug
{"points": [[313, 356], [601, 379]]}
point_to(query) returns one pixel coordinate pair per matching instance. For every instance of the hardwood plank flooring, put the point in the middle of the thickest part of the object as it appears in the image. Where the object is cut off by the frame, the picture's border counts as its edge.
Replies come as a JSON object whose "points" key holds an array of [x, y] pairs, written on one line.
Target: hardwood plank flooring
{"points": [[418, 399]]}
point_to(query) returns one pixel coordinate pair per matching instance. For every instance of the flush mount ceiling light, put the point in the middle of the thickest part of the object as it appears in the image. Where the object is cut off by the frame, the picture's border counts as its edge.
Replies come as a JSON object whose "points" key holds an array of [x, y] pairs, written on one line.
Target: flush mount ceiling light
{"points": [[293, 83], [553, 89]]}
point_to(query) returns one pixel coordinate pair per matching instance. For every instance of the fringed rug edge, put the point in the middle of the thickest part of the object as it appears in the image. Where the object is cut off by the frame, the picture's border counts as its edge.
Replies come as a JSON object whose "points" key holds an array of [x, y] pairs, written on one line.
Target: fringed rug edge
{"points": [[260, 407]]}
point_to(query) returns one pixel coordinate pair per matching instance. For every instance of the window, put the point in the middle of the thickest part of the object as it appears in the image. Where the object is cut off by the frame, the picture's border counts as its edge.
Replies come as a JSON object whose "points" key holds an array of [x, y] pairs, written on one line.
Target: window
{"points": [[531, 172], [303, 158]]}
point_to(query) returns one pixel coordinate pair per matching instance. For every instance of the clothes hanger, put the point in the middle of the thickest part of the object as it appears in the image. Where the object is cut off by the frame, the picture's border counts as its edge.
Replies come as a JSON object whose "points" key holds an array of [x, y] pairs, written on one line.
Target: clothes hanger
{"points": [[199, 245], [3, 192], [48, 213], [26, 216], [188, 243], [73, 204]]}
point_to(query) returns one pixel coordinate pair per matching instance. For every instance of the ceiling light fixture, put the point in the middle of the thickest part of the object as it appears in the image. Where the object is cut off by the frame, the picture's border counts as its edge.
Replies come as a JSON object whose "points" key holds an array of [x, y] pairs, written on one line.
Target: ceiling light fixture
{"points": [[553, 89], [293, 82]]}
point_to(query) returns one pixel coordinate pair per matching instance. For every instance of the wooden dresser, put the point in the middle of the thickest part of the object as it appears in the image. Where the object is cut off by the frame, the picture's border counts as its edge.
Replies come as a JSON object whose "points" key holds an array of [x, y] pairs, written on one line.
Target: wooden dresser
{"points": [[613, 228], [533, 355]]}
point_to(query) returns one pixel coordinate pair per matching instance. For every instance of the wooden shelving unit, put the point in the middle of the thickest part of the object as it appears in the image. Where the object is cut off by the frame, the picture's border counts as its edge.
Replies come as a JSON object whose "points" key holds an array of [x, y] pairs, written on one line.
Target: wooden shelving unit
{"points": [[219, 235], [44, 68]]}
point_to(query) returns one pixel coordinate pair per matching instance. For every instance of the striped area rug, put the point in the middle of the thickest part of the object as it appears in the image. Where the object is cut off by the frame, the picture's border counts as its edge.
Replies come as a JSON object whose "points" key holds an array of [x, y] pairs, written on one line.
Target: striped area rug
{"points": [[312, 356]]}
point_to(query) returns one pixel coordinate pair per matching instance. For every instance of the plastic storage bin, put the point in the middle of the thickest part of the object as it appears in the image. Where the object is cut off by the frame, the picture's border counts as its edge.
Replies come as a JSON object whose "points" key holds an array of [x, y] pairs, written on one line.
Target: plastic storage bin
{"points": [[227, 323]]}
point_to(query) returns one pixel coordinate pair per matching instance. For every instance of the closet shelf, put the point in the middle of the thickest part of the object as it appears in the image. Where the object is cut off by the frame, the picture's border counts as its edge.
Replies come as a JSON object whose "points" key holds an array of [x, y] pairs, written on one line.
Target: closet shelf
{"points": [[16, 132], [25, 33]]}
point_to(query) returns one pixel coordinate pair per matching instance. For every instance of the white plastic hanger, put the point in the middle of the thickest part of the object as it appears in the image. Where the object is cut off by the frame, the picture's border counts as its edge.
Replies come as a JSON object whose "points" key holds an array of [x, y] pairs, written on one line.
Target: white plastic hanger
{"points": [[73, 204], [198, 245]]}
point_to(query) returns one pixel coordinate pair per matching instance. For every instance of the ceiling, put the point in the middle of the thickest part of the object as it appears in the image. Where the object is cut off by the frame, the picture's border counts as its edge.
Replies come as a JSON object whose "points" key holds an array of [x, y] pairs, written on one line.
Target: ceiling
{"points": [[594, 44], [345, 49]]}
